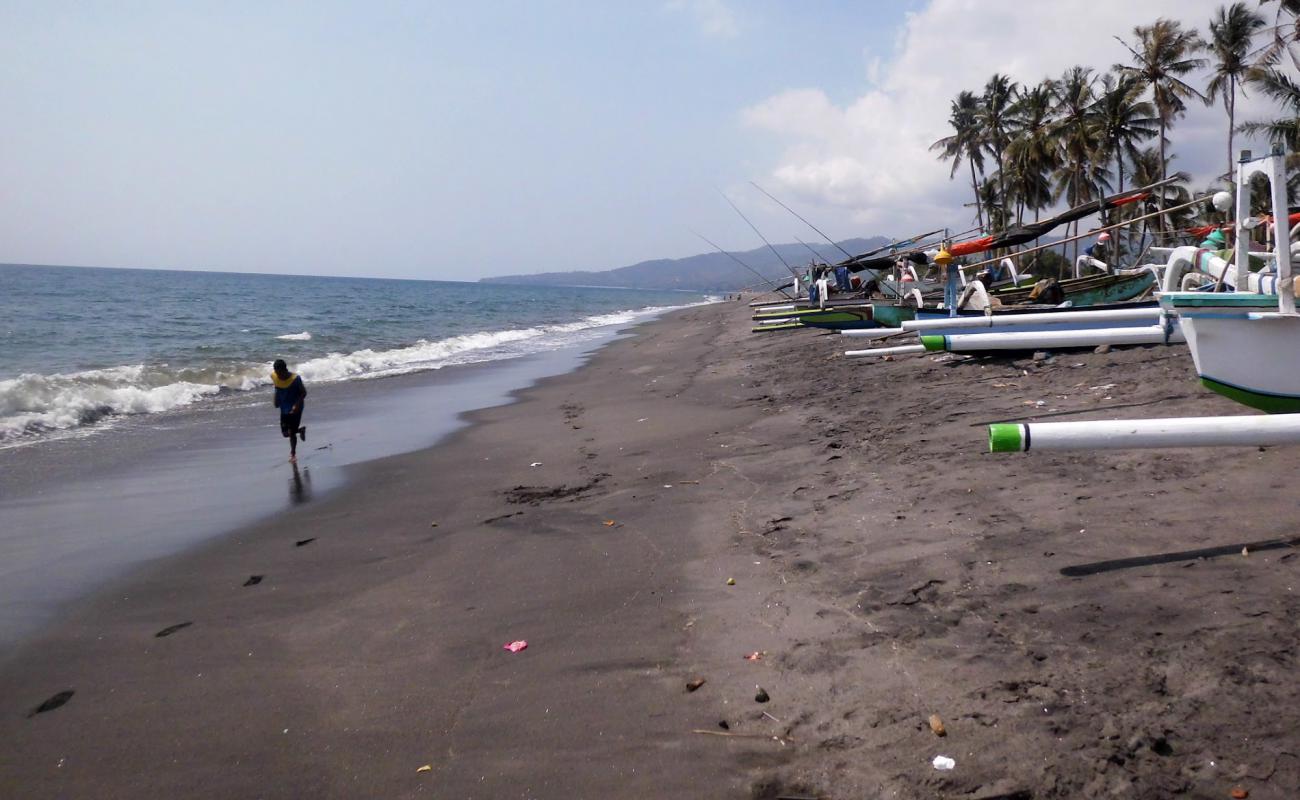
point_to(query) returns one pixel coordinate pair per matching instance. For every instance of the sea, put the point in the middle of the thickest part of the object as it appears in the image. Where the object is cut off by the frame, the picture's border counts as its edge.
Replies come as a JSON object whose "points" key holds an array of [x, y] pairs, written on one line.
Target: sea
{"points": [[135, 405], [82, 348]]}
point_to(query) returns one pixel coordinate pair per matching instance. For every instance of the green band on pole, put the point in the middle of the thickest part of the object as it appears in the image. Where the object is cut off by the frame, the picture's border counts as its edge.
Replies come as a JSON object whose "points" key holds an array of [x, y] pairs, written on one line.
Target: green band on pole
{"points": [[1005, 437], [933, 342]]}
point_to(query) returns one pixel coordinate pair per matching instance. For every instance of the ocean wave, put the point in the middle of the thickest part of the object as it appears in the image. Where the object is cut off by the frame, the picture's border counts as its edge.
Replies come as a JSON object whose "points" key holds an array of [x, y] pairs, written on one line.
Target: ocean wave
{"points": [[305, 336], [32, 404]]}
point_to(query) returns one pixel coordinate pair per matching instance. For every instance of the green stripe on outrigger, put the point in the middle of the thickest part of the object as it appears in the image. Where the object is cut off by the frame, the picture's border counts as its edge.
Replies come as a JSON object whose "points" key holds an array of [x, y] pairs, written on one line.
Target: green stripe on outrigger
{"points": [[934, 342], [1005, 437], [1272, 403]]}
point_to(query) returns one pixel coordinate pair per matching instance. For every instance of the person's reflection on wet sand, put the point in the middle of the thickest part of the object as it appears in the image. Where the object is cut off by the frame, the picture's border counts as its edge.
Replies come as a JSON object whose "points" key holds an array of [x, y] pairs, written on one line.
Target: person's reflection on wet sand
{"points": [[300, 486]]}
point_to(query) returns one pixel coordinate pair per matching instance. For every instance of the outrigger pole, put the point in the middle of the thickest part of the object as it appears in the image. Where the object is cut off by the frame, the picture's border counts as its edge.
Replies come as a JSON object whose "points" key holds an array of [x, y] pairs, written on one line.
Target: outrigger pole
{"points": [[801, 219], [1093, 232], [794, 274], [768, 281], [810, 249]]}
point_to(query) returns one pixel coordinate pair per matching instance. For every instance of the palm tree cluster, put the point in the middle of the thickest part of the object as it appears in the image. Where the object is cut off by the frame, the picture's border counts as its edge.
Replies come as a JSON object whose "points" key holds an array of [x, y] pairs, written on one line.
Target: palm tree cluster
{"points": [[1085, 134]]}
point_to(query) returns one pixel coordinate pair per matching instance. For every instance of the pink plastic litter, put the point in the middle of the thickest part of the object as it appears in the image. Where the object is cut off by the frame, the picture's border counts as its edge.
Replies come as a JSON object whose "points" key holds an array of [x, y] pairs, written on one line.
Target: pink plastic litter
{"points": [[515, 647]]}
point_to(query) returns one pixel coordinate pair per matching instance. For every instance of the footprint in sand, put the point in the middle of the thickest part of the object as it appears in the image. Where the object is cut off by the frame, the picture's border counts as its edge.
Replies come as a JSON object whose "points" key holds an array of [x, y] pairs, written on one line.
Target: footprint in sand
{"points": [[302, 542], [253, 580], [52, 703], [170, 629]]}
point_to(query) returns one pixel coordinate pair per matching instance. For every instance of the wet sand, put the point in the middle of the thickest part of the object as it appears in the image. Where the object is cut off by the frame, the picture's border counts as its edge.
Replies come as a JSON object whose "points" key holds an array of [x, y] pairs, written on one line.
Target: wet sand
{"points": [[1086, 625]]}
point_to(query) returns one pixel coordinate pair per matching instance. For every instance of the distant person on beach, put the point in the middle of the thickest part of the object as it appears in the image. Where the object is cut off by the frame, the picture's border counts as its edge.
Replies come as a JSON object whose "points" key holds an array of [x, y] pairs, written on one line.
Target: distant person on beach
{"points": [[290, 396], [1095, 255], [1215, 241], [823, 286], [842, 278]]}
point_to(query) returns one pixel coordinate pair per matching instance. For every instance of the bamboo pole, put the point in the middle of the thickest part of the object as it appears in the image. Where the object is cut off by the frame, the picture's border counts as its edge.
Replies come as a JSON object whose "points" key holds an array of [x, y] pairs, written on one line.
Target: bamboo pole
{"points": [[1123, 224]]}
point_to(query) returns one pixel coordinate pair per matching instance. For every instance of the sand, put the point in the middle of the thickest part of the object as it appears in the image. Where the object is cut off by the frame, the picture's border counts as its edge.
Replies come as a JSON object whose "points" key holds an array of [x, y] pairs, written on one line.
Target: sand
{"points": [[1084, 625]]}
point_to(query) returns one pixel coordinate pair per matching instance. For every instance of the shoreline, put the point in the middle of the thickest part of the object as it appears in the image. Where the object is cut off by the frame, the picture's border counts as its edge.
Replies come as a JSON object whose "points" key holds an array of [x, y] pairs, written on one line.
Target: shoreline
{"points": [[1084, 624], [373, 590], [183, 477]]}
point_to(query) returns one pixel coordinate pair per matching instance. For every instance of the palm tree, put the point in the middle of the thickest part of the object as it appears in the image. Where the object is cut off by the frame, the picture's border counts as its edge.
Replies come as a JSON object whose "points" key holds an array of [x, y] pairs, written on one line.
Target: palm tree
{"points": [[1285, 92], [1285, 31], [1032, 152], [993, 207], [1122, 119], [1231, 32], [1075, 132], [1163, 55], [999, 93], [1284, 131], [1147, 169], [965, 142]]}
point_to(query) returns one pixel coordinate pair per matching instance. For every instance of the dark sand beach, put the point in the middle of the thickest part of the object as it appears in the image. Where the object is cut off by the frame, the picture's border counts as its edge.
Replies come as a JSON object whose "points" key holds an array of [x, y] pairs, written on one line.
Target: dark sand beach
{"points": [[1085, 625]]}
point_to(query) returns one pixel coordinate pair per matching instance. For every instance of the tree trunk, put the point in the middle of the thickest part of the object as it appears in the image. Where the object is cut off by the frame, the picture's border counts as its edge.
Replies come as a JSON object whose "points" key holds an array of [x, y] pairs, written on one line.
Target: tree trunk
{"points": [[1160, 196], [1119, 165], [1078, 182], [1119, 172], [1002, 185], [1232, 107], [975, 187]]}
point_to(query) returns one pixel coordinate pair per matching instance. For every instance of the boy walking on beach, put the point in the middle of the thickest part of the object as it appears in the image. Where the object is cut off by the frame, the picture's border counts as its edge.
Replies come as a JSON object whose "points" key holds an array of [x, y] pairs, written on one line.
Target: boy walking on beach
{"points": [[290, 396]]}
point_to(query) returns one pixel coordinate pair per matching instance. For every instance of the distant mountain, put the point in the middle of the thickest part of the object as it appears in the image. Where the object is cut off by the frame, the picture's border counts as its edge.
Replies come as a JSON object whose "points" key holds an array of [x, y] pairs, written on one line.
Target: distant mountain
{"points": [[708, 272]]}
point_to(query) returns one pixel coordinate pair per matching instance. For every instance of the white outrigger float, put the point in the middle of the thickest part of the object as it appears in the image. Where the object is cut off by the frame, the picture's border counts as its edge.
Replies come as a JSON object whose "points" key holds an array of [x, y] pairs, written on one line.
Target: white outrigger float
{"points": [[1245, 345]]}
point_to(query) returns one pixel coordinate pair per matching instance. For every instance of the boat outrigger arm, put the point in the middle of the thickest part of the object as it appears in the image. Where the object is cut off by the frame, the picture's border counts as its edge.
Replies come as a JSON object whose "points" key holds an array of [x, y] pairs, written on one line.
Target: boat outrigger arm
{"points": [[1242, 343], [905, 242], [1018, 234]]}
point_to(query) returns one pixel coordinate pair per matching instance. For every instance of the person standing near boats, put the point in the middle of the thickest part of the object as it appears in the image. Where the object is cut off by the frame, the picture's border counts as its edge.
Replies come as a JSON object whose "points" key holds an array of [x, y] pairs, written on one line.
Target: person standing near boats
{"points": [[290, 397], [1095, 255], [842, 278], [1216, 241], [951, 278]]}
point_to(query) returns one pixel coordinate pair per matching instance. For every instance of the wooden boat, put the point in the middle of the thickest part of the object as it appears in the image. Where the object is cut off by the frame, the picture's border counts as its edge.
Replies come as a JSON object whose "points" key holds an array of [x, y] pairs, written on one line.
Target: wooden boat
{"points": [[1092, 292]]}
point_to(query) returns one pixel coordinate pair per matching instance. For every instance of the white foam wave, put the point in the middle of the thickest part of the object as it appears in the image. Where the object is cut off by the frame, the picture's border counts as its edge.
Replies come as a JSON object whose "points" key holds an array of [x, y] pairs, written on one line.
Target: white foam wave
{"points": [[305, 336], [37, 404], [41, 403]]}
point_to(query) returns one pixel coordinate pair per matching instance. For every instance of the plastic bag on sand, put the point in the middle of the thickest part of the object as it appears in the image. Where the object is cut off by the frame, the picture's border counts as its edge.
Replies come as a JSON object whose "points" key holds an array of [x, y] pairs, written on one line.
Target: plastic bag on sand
{"points": [[943, 762], [515, 647]]}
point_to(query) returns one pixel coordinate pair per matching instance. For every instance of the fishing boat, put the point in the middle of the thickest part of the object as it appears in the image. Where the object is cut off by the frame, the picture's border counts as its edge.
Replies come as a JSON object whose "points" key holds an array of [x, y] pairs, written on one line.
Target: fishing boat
{"points": [[1092, 292], [1245, 345]]}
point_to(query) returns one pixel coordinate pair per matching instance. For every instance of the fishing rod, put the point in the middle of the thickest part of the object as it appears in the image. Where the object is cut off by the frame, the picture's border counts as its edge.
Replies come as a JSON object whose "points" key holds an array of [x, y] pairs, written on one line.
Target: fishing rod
{"points": [[760, 235], [768, 281], [1123, 224], [801, 219], [816, 254], [897, 243]]}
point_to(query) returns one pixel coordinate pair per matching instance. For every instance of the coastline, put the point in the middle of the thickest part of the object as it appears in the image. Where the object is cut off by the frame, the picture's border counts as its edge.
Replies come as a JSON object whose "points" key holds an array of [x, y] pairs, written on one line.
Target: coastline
{"points": [[1083, 623], [368, 578], [78, 510]]}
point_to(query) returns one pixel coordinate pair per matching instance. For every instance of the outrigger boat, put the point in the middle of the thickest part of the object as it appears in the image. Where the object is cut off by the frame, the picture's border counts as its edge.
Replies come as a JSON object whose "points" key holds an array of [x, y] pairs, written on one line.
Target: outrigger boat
{"points": [[1093, 291], [1245, 345], [1087, 291]]}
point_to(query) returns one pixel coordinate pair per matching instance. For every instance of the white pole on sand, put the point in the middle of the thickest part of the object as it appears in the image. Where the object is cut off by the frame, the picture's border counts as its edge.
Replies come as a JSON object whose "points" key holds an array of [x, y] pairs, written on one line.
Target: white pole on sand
{"points": [[1135, 434], [887, 351], [1044, 318], [1035, 340]]}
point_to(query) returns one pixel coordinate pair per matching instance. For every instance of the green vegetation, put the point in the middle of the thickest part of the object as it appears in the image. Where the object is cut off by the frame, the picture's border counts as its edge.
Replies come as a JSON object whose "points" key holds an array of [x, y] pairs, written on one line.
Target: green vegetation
{"points": [[1073, 139]]}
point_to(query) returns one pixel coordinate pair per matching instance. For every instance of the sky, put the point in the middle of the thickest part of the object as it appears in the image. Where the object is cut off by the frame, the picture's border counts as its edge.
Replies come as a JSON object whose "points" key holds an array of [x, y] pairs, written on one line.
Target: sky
{"points": [[455, 141]]}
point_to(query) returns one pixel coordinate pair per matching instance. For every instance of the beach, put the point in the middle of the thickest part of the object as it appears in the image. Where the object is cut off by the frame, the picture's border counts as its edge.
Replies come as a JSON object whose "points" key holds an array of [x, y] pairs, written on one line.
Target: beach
{"points": [[696, 502]]}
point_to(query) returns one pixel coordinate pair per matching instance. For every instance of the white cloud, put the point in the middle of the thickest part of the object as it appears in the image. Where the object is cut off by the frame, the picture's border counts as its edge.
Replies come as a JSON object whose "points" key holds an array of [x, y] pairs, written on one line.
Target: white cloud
{"points": [[714, 17], [870, 156]]}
